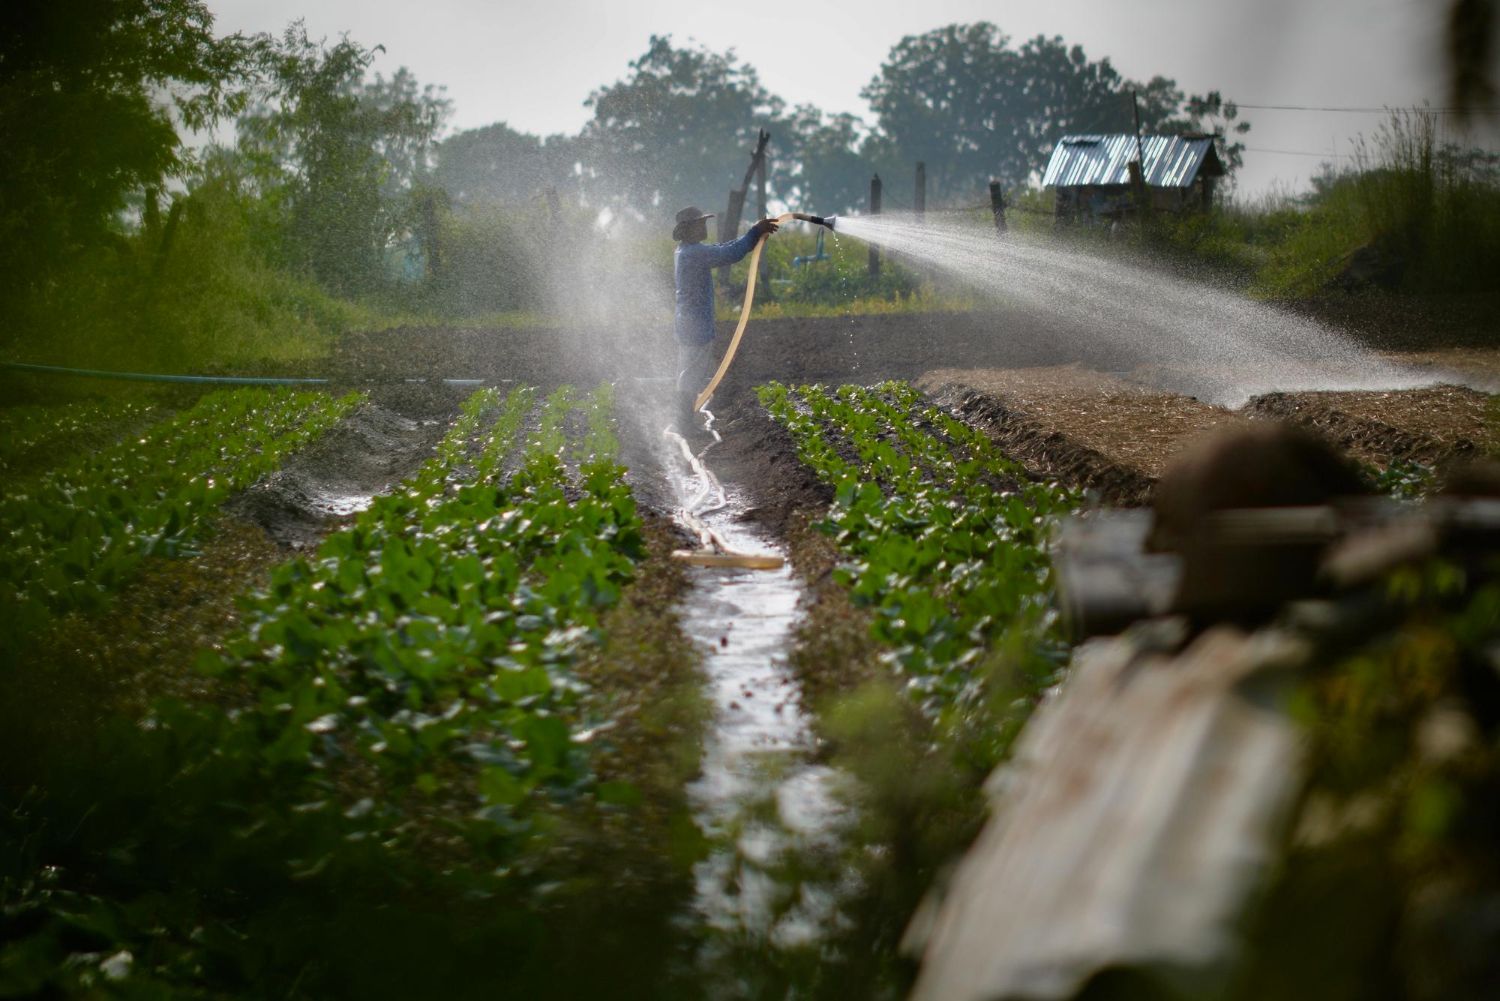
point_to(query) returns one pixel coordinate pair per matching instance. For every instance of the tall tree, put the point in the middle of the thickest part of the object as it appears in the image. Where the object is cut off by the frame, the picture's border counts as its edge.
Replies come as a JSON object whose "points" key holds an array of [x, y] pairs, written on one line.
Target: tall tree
{"points": [[676, 130], [498, 164], [944, 98], [337, 154], [965, 101], [83, 119], [829, 172]]}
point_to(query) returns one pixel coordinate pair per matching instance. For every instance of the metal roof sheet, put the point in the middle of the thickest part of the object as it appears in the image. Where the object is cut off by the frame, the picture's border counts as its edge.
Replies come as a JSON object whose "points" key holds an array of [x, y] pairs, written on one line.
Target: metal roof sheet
{"points": [[1170, 161]]}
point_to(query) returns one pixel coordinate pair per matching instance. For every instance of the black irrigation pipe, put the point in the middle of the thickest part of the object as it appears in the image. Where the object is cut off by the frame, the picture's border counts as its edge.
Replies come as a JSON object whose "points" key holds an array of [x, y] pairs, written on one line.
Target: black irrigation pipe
{"points": [[216, 380]]}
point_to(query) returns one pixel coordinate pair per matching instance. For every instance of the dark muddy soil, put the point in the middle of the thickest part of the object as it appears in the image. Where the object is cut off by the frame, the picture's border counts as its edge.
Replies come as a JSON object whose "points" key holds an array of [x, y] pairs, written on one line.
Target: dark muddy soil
{"points": [[324, 485], [1091, 422], [863, 349]]}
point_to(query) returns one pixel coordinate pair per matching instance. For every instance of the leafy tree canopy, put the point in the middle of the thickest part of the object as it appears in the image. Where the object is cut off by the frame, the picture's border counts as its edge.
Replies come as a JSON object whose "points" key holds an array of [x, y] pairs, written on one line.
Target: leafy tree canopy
{"points": [[498, 164], [338, 153], [831, 174], [88, 94], [677, 130], [965, 101]]}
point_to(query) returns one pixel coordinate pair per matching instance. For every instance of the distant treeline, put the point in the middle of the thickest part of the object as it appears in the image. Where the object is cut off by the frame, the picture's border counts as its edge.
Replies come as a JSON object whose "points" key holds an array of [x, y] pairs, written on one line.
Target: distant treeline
{"points": [[340, 198], [334, 165]]}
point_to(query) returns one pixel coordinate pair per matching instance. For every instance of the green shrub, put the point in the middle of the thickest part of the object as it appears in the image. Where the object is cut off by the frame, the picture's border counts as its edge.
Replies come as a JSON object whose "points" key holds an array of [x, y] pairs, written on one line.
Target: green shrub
{"points": [[1428, 209], [198, 294]]}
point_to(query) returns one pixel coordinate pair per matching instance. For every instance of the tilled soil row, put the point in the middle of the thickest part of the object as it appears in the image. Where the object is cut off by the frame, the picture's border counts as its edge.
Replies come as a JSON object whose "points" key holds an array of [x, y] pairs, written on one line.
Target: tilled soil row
{"points": [[1116, 444], [1374, 440], [318, 489], [1046, 454]]}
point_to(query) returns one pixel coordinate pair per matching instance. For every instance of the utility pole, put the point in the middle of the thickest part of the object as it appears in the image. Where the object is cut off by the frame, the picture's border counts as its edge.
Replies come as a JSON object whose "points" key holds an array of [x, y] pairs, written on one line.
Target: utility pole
{"points": [[874, 210], [919, 197], [1138, 172]]}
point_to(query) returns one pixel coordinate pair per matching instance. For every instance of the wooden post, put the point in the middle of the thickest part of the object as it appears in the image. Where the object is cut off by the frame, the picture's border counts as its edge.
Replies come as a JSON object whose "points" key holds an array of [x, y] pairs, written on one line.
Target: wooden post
{"points": [[729, 222], [1138, 169], [997, 205], [1140, 149], [1138, 187], [729, 226], [919, 197], [874, 210], [761, 209]]}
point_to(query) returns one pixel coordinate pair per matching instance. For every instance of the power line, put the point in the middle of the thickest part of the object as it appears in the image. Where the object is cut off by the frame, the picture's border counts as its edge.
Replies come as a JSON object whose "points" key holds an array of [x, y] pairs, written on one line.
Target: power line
{"points": [[1368, 111], [1298, 152]]}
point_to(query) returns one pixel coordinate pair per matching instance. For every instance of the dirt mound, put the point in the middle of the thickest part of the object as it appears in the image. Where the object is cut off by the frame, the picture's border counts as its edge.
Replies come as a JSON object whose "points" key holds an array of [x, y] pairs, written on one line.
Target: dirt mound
{"points": [[1433, 426], [324, 485], [1129, 425], [1046, 454]]}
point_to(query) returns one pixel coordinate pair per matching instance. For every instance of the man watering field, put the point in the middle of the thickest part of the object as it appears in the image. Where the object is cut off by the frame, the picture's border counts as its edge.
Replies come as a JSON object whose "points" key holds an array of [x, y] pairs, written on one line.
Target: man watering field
{"points": [[694, 264]]}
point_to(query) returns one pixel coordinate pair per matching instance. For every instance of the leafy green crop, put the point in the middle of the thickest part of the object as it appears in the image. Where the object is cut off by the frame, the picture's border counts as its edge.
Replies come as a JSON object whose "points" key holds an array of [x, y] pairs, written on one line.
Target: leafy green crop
{"points": [[945, 536], [36, 437], [428, 647], [75, 534]]}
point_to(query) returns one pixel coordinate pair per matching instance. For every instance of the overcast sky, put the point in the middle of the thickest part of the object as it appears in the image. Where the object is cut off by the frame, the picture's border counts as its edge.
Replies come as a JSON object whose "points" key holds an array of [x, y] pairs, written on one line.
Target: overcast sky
{"points": [[533, 64]]}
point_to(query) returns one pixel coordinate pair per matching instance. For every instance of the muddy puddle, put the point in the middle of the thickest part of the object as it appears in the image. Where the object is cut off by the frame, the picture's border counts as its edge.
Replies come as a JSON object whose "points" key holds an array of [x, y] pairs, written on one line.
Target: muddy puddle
{"points": [[774, 816]]}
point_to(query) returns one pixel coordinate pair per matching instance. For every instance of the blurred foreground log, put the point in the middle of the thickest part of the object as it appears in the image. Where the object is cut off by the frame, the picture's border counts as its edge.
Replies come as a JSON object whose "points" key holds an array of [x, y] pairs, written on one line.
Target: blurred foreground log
{"points": [[1278, 781], [1139, 814]]}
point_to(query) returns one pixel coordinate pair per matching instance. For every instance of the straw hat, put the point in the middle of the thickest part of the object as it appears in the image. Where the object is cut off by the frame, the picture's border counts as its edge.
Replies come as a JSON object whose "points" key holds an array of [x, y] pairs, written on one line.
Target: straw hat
{"points": [[686, 218]]}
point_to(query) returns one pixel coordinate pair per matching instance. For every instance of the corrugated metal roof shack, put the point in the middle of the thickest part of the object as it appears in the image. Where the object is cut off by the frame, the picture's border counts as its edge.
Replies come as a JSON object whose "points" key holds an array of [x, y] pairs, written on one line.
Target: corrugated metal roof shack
{"points": [[1092, 174]]}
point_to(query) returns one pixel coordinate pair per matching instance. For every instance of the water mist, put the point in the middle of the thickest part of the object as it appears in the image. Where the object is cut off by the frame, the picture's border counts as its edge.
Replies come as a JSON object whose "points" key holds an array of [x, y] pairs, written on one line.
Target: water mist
{"points": [[1176, 333]]}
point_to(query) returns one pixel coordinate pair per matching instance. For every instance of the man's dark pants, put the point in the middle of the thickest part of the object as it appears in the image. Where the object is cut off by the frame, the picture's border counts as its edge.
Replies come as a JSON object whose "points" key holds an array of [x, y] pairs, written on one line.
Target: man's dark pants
{"points": [[695, 367]]}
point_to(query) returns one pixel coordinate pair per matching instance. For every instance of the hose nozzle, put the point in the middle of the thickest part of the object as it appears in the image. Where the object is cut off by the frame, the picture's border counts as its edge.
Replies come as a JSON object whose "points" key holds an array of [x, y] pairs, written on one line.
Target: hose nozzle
{"points": [[828, 221]]}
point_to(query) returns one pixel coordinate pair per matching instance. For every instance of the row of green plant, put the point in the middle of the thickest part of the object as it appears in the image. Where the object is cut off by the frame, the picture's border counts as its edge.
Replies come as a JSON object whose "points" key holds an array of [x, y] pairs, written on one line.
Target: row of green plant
{"points": [[945, 536], [35, 436], [75, 534], [432, 641], [404, 737]]}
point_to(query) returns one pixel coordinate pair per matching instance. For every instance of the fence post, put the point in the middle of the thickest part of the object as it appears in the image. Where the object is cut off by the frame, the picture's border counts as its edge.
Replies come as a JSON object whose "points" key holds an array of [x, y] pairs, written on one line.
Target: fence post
{"points": [[874, 210], [1138, 168], [729, 225], [1138, 191], [760, 204], [997, 205], [919, 197]]}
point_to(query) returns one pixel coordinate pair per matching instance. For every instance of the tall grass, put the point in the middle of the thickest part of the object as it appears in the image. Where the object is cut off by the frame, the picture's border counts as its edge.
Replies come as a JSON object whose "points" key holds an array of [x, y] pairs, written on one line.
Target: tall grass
{"points": [[197, 295], [1431, 205], [1425, 211]]}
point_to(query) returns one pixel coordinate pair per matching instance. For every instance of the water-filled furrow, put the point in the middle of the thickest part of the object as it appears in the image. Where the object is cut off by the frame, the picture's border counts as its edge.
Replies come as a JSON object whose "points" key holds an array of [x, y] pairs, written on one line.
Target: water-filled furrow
{"points": [[771, 814]]}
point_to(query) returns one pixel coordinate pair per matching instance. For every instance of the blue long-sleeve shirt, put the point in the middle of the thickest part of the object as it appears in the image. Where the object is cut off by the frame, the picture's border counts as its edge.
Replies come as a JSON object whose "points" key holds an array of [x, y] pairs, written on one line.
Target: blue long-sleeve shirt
{"points": [[694, 266]]}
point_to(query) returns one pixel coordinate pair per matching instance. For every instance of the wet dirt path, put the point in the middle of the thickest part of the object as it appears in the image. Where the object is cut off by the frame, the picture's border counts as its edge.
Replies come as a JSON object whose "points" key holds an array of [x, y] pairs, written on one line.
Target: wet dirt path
{"points": [[762, 799]]}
